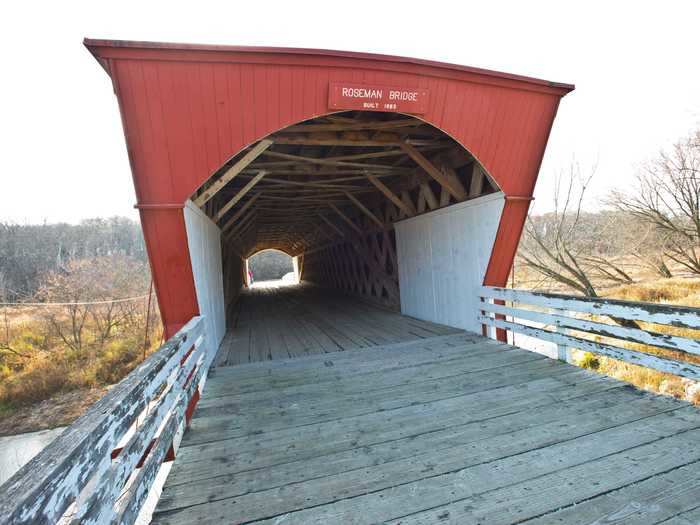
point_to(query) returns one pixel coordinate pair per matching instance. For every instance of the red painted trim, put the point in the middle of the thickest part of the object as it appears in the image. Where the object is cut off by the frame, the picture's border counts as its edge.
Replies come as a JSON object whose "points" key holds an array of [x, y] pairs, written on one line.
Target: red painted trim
{"points": [[166, 206], [167, 247], [115, 453], [97, 45], [519, 198], [145, 454], [501, 334], [506, 244], [191, 406], [184, 357], [189, 376]]}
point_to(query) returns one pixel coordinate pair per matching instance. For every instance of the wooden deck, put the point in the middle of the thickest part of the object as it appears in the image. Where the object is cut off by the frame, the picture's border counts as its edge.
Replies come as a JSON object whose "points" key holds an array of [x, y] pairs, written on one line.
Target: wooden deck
{"points": [[279, 322], [414, 423]]}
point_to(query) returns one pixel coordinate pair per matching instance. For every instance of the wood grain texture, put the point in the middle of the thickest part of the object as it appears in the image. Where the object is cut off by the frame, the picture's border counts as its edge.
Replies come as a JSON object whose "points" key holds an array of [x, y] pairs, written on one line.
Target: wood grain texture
{"points": [[575, 325], [428, 428]]}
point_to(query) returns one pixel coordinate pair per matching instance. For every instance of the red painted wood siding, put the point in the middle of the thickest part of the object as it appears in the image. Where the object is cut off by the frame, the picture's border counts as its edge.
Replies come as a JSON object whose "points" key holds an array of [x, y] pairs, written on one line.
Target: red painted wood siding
{"points": [[187, 111]]}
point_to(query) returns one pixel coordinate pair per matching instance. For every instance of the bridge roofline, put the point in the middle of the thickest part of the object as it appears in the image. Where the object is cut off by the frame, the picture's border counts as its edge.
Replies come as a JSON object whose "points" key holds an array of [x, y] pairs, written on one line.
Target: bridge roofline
{"points": [[106, 48]]}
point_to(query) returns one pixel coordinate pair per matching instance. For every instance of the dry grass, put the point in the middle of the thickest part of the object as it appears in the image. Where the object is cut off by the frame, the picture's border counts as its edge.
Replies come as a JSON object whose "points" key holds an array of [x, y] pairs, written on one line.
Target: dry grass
{"points": [[45, 373], [676, 291], [81, 337], [683, 290], [679, 291], [55, 352]]}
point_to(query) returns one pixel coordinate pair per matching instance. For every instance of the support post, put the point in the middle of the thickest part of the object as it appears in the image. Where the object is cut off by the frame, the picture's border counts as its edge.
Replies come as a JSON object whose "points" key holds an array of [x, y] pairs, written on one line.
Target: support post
{"points": [[563, 351]]}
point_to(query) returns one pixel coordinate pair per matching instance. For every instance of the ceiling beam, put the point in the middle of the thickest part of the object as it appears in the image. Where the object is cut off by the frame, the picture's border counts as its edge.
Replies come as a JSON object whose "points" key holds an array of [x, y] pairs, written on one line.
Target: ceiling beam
{"points": [[324, 161], [446, 182], [305, 141], [234, 170], [310, 184], [374, 125], [230, 204]]}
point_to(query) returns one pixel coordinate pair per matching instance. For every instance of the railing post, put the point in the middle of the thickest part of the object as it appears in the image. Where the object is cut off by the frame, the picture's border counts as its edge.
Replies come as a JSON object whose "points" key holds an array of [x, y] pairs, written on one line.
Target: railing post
{"points": [[484, 328], [563, 351], [501, 333]]}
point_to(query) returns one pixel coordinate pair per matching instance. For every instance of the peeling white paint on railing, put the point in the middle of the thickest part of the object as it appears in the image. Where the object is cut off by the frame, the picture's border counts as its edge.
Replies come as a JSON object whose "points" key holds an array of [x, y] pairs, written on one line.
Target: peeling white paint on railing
{"points": [[562, 319], [76, 473]]}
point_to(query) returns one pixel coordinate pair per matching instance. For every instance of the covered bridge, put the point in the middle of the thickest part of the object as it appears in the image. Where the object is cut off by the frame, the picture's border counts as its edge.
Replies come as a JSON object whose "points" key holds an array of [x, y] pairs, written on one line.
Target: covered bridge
{"points": [[382, 387]]}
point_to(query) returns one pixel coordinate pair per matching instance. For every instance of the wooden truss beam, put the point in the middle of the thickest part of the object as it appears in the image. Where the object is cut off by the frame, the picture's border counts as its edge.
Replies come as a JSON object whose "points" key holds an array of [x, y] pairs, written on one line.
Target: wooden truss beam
{"points": [[234, 170], [240, 212], [477, 183], [364, 210], [242, 193], [374, 125], [241, 225], [325, 161], [450, 184], [330, 223], [346, 218], [408, 210], [305, 141]]}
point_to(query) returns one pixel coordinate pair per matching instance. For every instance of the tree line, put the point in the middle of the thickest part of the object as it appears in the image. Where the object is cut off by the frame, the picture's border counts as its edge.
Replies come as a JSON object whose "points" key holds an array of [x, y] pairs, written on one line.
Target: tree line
{"points": [[30, 251]]}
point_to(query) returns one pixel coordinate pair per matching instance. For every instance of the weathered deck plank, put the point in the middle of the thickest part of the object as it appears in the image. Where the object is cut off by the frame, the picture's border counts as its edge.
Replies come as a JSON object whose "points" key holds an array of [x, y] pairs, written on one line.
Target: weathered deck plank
{"points": [[292, 321], [432, 426]]}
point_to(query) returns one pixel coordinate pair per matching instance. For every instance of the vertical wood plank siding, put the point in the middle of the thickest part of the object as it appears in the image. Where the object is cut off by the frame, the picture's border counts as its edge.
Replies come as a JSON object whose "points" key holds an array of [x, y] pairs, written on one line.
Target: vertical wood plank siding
{"points": [[186, 110]]}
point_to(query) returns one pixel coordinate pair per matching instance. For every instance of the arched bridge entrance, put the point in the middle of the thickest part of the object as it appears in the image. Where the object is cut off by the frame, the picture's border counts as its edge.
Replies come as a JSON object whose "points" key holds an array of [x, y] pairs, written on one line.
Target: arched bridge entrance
{"points": [[322, 153]]}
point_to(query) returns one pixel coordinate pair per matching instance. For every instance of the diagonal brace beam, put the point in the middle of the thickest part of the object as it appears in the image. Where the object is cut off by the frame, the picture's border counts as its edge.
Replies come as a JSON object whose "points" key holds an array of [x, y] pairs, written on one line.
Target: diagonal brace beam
{"points": [[240, 212], [364, 210], [234, 170], [330, 223], [408, 210], [450, 185], [245, 189], [346, 218]]}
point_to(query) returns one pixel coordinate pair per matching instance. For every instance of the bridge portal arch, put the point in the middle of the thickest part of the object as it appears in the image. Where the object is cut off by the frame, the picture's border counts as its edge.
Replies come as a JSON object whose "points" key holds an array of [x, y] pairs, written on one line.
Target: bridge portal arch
{"points": [[186, 108]]}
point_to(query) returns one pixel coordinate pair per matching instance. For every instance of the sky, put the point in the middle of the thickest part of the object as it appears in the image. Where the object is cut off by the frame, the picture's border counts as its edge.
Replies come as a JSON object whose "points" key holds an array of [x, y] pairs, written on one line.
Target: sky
{"points": [[63, 158]]}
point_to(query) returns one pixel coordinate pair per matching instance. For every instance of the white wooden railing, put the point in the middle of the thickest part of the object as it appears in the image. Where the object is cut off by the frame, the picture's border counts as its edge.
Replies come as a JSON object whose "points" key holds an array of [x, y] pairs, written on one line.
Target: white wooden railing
{"points": [[600, 326], [102, 467]]}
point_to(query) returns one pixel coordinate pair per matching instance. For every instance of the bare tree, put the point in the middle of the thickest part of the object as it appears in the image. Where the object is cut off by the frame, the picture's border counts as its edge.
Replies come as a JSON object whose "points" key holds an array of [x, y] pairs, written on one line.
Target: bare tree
{"points": [[650, 249], [5, 340], [555, 243], [667, 195], [92, 290]]}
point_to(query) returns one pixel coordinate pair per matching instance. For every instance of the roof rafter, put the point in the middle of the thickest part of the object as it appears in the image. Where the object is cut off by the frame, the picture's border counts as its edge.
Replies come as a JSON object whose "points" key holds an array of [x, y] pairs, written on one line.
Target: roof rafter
{"points": [[234, 170]]}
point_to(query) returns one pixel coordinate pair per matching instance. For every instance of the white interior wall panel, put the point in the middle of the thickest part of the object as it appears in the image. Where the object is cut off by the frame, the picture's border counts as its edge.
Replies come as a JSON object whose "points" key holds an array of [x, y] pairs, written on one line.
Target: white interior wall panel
{"points": [[442, 258], [204, 239]]}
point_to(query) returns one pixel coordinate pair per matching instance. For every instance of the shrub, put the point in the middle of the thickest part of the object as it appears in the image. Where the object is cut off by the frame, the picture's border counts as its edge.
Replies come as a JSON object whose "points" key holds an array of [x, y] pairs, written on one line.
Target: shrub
{"points": [[589, 360]]}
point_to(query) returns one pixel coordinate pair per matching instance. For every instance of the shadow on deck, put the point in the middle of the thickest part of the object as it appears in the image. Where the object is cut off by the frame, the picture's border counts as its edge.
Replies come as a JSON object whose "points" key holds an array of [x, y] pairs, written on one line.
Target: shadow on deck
{"points": [[353, 414]]}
